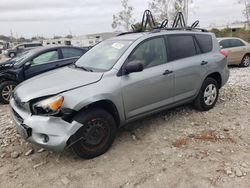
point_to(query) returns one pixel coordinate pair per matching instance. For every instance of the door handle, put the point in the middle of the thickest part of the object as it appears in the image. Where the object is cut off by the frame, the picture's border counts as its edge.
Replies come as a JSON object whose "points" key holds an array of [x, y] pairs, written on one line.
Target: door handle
{"points": [[167, 72], [204, 62]]}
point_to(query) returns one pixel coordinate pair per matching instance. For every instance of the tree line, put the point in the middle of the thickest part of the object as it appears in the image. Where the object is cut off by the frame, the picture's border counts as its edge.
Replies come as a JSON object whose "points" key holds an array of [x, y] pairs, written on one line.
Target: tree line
{"points": [[162, 9]]}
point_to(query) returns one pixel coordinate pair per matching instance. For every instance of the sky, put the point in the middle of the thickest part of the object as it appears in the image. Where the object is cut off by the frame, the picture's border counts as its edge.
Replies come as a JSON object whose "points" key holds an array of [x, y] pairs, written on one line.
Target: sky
{"points": [[48, 18]]}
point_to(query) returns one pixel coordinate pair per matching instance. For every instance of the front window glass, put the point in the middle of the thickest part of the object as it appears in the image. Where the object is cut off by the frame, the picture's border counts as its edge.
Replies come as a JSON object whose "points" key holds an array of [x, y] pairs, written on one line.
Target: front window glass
{"points": [[150, 53], [225, 44], [103, 56], [46, 57]]}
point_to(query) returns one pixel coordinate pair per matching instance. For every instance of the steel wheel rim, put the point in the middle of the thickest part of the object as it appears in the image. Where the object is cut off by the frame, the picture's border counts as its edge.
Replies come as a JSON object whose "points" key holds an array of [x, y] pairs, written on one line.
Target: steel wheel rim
{"points": [[89, 143], [246, 61], [210, 94], [7, 92]]}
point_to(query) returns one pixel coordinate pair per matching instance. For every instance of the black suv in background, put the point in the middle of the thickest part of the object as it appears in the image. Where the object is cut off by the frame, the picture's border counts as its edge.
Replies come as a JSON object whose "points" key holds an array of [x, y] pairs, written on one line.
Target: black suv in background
{"points": [[32, 63], [20, 48]]}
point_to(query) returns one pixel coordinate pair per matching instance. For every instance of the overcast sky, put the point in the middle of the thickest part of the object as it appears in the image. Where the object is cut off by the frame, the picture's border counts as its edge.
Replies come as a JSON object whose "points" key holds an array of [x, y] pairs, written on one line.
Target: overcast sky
{"points": [[61, 17]]}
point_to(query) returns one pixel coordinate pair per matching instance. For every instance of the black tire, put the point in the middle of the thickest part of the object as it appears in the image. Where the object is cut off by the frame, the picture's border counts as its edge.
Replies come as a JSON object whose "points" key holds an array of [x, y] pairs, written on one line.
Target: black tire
{"points": [[12, 54], [4, 99], [104, 132], [201, 102], [245, 62]]}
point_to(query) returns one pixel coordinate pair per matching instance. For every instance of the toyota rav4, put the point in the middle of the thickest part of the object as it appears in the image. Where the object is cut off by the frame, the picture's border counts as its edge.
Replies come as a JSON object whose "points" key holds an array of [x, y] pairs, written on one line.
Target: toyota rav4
{"points": [[118, 81]]}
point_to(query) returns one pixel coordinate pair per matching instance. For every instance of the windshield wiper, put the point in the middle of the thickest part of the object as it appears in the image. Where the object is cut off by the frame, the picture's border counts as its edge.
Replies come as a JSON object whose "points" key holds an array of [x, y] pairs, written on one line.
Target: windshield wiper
{"points": [[83, 68]]}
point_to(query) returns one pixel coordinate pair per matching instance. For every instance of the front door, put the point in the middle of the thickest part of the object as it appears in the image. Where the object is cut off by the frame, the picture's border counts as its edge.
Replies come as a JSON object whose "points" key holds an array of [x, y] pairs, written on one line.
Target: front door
{"points": [[42, 63], [152, 88]]}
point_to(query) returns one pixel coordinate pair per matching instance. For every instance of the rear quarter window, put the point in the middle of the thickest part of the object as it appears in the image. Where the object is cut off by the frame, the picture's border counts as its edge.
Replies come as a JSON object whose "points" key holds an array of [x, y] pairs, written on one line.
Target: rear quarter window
{"points": [[181, 46], [205, 42]]}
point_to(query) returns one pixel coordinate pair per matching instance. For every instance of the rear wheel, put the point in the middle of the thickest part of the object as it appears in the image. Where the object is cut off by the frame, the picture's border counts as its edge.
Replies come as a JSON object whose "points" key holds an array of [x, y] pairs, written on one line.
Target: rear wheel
{"points": [[208, 95], [96, 135], [6, 89], [245, 62]]}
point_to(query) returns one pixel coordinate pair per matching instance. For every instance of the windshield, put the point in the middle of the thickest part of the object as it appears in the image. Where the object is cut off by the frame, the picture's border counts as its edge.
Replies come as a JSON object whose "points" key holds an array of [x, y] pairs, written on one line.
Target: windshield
{"points": [[103, 56], [21, 57]]}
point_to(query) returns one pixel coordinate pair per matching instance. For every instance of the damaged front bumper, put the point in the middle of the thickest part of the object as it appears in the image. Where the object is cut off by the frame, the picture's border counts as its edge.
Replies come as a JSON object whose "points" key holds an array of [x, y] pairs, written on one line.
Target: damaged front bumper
{"points": [[48, 132]]}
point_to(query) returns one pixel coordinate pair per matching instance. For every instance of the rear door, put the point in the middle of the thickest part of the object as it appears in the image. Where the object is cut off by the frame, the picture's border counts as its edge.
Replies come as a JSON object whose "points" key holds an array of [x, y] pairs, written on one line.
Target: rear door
{"points": [[70, 55], [189, 65], [42, 63]]}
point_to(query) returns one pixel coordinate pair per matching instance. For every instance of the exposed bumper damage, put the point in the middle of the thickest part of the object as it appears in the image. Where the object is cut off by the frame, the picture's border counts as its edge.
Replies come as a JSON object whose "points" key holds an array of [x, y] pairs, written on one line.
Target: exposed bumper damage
{"points": [[48, 132]]}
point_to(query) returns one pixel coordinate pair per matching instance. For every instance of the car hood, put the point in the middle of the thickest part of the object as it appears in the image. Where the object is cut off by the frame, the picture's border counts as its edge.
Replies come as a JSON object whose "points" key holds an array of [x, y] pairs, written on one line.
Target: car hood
{"points": [[55, 82], [6, 64]]}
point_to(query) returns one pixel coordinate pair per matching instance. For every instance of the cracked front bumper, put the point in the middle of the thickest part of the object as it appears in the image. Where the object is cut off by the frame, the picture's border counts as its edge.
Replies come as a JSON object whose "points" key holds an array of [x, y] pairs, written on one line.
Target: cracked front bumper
{"points": [[48, 132]]}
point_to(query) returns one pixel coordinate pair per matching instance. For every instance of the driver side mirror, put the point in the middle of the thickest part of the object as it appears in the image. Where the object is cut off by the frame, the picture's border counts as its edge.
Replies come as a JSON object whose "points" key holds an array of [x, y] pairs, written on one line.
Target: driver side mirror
{"points": [[27, 65], [133, 66]]}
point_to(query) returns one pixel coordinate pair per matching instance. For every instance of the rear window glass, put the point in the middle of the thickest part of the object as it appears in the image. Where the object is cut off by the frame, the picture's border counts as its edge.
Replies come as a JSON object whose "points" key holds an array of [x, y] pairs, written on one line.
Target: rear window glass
{"points": [[205, 42], [71, 52], [181, 47], [236, 43]]}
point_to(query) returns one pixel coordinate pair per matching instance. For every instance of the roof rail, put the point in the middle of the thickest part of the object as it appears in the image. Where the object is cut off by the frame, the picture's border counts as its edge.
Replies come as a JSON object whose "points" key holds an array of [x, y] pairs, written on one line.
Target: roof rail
{"points": [[149, 25], [179, 29]]}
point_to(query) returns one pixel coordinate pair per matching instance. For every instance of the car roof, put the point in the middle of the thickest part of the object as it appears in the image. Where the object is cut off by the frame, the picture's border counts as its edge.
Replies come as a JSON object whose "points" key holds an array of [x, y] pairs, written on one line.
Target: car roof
{"points": [[134, 36], [45, 48], [225, 38], [25, 43]]}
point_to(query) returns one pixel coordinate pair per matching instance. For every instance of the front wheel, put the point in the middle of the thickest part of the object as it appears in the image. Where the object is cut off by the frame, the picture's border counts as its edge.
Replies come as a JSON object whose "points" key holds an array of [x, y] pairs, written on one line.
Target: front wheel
{"points": [[12, 55], [245, 62], [96, 135], [208, 95], [6, 90]]}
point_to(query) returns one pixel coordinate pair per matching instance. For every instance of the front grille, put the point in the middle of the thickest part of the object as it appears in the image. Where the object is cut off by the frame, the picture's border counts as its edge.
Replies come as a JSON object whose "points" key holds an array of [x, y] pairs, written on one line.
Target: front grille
{"points": [[17, 116]]}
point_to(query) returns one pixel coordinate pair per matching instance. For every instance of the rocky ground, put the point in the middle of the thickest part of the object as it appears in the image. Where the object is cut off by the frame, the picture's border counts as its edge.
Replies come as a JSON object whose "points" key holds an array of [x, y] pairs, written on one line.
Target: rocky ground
{"points": [[176, 148]]}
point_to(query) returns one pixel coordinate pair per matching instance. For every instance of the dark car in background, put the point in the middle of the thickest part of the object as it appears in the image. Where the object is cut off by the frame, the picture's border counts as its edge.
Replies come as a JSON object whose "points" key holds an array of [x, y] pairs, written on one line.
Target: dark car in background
{"points": [[32, 63], [20, 48]]}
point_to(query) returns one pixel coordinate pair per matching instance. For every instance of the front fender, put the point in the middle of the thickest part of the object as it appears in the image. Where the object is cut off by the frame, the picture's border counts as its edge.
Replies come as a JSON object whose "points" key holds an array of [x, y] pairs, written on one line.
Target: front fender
{"points": [[79, 98], [7, 76]]}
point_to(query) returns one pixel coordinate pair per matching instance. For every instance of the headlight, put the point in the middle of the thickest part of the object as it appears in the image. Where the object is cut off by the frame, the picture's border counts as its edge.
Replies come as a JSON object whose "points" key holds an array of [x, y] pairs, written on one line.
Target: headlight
{"points": [[48, 106]]}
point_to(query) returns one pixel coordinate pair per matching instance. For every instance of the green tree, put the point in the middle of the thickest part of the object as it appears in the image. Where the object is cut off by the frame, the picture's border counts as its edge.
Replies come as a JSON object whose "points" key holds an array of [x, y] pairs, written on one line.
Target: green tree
{"points": [[124, 18]]}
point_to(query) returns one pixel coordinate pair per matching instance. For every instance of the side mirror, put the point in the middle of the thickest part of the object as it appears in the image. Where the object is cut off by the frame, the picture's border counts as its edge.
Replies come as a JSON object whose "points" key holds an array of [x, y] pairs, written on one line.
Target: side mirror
{"points": [[133, 66], [27, 65]]}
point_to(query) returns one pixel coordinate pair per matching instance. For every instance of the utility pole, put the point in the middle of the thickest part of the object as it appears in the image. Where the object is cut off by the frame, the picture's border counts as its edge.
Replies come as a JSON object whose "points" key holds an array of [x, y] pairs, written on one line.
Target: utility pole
{"points": [[185, 9], [247, 5]]}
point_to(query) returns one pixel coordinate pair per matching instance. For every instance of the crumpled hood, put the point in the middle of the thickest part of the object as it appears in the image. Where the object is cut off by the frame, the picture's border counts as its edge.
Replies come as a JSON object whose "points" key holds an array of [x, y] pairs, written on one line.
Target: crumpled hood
{"points": [[54, 82]]}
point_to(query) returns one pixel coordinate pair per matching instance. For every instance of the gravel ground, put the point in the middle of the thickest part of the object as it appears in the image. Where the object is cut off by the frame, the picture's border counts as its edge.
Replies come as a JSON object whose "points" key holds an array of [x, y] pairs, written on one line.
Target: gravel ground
{"points": [[177, 148]]}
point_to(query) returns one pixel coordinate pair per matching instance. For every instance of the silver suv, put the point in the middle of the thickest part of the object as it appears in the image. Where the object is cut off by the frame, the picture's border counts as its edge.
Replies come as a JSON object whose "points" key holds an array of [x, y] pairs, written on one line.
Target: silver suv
{"points": [[116, 82]]}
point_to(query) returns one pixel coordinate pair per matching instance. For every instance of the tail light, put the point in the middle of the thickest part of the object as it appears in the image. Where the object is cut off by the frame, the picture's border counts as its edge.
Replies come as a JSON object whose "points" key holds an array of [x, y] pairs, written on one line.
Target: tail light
{"points": [[224, 53]]}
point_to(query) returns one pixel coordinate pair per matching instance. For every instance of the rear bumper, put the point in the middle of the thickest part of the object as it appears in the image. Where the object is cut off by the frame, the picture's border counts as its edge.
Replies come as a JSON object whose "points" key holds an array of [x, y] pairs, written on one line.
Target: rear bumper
{"points": [[48, 132]]}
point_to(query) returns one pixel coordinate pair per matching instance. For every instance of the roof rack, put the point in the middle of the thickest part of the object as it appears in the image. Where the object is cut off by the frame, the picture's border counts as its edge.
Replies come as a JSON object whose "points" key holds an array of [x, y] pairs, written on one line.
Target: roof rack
{"points": [[148, 24]]}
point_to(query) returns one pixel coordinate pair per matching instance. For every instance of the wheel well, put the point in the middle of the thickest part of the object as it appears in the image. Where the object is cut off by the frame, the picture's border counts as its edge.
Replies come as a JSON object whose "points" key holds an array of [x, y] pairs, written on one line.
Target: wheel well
{"points": [[246, 54], [107, 105], [217, 77]]}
